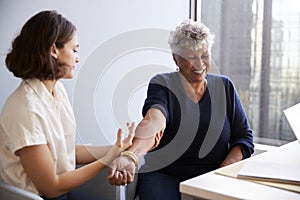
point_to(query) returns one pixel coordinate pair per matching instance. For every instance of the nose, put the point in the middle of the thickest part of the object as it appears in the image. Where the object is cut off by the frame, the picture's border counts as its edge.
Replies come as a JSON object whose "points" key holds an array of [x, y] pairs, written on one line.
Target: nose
{"points": [[77, 59], [198, 63]]}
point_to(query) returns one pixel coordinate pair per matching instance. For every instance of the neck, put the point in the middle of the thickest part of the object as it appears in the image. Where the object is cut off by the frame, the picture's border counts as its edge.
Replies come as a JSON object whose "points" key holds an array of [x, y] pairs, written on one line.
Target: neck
{"points": [[194, 90], [49, 85]]}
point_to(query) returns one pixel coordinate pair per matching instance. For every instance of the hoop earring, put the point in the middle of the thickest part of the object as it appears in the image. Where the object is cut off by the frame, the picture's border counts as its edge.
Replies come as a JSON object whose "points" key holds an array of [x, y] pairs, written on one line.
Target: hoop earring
{"points": [[177, 69]]}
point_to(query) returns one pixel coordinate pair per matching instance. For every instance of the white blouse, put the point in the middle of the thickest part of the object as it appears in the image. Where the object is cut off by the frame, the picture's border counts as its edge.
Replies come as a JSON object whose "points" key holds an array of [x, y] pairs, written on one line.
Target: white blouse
{"points": [[32, 116]]}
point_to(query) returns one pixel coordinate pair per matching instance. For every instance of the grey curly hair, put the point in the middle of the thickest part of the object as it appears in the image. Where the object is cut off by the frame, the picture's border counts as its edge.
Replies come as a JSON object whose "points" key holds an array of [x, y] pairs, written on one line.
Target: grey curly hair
{"points": [[191, 35]]}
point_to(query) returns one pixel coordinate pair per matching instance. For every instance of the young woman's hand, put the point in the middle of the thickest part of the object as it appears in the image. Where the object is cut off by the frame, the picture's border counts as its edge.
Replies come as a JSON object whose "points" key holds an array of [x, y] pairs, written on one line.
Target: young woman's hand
{"points": [[123, 144], [120, 145]]}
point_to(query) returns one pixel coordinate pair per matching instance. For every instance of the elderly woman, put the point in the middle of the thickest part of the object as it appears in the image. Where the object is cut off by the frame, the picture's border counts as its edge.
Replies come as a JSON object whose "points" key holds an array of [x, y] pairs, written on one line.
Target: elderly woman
{"points": [[195, 119]]}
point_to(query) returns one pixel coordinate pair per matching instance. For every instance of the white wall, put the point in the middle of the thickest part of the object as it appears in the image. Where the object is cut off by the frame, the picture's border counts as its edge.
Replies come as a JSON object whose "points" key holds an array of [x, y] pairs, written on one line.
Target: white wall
{"points": [[100, 23]]}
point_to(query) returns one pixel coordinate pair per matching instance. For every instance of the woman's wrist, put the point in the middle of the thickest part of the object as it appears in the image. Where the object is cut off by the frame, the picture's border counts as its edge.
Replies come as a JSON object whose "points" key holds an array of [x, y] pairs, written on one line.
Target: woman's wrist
{"points": [[131, 155]]}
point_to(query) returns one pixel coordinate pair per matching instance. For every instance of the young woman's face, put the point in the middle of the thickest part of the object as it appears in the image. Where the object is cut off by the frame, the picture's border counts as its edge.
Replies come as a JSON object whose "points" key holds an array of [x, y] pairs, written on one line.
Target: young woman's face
{"points": [[68, 56], [193, 65]]}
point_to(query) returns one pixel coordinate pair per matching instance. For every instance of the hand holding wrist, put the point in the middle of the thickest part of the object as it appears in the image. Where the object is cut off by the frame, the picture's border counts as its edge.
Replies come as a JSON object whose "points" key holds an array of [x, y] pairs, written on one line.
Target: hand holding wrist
{"points": [[119, 146], [131, 155]]}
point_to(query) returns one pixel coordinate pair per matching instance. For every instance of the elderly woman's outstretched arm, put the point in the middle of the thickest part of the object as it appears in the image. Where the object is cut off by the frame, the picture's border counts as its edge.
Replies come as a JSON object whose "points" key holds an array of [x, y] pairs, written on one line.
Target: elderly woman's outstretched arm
{"points": [[147, 136]]}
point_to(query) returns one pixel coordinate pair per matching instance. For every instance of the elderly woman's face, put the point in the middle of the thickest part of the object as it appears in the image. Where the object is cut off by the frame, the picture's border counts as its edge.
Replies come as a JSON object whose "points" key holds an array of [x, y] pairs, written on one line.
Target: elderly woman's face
{"points": [[193, 65]]}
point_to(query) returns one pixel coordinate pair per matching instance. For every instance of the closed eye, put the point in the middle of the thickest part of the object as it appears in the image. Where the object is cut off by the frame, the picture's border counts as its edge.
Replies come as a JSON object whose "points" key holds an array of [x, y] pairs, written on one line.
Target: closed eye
{"points": [[204, 56]]}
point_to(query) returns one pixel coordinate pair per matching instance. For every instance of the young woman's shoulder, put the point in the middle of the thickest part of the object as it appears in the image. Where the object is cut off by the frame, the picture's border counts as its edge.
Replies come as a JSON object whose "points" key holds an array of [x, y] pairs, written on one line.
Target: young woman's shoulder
{"points": [[19, 99]]}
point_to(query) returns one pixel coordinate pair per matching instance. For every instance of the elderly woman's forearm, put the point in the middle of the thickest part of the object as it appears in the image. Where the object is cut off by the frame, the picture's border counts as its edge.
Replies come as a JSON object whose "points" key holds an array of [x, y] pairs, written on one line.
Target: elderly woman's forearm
{"points": [[152, 124], [148, 132], [141, 146]]}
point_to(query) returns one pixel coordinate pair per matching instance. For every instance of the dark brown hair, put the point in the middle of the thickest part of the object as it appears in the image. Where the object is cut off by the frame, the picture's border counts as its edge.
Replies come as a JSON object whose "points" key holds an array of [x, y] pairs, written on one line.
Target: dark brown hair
{"points": [[30, 55]]}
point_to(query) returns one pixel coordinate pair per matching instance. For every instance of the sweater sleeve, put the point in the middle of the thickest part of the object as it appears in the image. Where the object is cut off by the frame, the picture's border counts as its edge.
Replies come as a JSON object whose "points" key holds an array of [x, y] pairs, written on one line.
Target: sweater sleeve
{"points": [[241, 133], [157, 96]]}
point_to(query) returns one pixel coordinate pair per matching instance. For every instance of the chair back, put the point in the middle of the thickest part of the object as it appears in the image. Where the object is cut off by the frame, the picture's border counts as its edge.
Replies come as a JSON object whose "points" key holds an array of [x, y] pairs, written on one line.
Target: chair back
{"points": [[10, 192]]}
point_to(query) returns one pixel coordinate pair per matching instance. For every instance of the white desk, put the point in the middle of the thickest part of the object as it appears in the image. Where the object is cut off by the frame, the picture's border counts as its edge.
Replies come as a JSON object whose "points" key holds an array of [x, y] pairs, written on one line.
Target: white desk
{"points": [[215, 186]]}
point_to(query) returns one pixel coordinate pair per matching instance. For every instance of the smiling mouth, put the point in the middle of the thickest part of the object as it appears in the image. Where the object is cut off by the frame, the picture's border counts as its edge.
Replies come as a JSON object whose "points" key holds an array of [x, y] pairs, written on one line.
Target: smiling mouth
{"points": [[202, 71]]}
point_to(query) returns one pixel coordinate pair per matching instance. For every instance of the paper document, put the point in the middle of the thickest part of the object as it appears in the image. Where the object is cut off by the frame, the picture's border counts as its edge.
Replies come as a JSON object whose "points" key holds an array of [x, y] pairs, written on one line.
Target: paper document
{"points": [[292, 115], [280, 165], [233, 170], [274, 172]]}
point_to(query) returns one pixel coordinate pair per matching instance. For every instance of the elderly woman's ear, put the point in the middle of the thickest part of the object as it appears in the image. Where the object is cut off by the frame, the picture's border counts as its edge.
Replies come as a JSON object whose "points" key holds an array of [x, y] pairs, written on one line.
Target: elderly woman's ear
{"points": [[175, 56]]}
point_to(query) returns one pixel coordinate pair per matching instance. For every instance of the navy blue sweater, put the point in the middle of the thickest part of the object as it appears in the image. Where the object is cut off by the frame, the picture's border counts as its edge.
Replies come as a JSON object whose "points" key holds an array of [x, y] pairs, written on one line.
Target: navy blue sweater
{"points": [[198, 136]]}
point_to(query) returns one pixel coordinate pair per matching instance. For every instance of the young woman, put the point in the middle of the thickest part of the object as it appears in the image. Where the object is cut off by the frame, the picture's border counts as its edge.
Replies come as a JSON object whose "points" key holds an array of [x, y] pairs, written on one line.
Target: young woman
{"points": [[37, 125]]}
